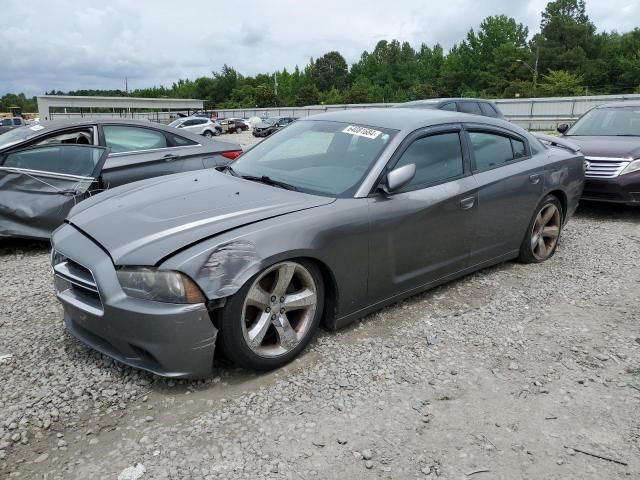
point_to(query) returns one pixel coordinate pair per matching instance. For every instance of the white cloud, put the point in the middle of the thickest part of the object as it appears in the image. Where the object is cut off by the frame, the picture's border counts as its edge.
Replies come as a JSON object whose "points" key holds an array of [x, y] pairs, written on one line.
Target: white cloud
{"points": [[72, 44]]}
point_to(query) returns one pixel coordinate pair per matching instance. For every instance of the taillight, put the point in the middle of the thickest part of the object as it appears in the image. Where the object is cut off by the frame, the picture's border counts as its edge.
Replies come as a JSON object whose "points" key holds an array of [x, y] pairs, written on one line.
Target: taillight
{"points": [[232, 155]]}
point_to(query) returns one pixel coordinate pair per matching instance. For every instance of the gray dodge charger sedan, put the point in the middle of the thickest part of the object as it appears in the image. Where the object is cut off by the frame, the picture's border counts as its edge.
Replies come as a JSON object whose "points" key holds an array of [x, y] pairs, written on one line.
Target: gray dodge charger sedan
{"points": [[327, 220]]}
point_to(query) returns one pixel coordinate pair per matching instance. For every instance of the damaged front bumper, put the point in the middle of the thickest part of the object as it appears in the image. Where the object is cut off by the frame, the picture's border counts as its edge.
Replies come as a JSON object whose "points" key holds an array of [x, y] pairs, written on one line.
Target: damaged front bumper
{"points": [[170, 340]]}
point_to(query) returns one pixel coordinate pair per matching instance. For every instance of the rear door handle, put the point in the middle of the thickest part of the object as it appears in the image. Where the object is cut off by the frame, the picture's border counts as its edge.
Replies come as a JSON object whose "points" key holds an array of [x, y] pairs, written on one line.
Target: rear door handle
{"points": [[467, 203], [535, 178]]}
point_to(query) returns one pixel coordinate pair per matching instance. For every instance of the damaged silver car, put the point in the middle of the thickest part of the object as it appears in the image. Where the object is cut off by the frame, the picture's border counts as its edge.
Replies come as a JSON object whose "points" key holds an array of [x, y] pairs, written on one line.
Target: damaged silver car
{"points": [[336, 216], [46, 169]]}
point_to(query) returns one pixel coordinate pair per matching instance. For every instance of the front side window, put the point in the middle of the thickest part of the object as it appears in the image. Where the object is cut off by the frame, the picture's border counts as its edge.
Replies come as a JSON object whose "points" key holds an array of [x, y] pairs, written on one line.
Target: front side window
{"points": [[491, 150], [451, 107], [67, 159], [82, 136], [132, 139], [437, 158], [316, 156]]}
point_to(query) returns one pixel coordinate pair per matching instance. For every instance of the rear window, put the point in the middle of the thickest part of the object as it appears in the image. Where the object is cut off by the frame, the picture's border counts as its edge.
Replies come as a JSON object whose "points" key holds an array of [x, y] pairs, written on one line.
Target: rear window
{"points": [[469, 107], [488, 110]]}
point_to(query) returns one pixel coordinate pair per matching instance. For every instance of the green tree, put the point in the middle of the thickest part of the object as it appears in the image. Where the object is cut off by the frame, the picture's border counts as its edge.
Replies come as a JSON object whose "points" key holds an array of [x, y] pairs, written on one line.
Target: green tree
{"points": [[265, 96], [330, 71], [561, 83], [308, 95]]}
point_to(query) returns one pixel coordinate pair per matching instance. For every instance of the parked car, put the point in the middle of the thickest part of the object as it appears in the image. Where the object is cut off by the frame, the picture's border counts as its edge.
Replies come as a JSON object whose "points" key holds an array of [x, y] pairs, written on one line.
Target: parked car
{"points": [[338, 215], [7, 124], [474, 106], [609, 137], [198, 125], [231, 125], [271, 125], [47, 168]]}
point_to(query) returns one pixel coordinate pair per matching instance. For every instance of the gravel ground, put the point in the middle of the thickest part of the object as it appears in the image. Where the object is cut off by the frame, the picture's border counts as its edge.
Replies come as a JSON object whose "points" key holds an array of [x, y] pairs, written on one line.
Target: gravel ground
{"points": [[513, 372]]}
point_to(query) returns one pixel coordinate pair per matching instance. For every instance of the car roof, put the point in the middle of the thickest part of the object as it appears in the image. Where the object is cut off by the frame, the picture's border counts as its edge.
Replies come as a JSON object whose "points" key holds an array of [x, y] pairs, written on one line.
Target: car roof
{"points": [[621, 104], [437, 101], [407, 119]]}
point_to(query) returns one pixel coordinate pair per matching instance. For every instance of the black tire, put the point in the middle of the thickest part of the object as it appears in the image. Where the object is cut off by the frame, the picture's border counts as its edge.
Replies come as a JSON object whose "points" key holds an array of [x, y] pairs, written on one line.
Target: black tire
{"points": [[208, 133], [231, 337], [529, 250], [238, 130]]}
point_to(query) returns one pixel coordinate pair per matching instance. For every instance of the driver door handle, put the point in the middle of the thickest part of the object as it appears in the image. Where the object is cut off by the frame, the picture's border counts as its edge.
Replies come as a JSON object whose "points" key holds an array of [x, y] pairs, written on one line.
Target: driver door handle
{"points": [[467, 203], [169, 158], [535, 178]]}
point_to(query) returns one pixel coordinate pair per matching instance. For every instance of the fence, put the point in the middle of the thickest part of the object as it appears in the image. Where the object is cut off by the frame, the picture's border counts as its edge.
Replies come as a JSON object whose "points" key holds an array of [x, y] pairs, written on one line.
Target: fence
{"points": [[530, 113]]}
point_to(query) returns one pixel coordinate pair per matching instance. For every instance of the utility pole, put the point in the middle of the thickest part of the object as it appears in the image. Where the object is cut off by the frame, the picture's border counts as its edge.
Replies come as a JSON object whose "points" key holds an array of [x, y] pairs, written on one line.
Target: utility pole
{"points": [[535, 71], [126, 87]]}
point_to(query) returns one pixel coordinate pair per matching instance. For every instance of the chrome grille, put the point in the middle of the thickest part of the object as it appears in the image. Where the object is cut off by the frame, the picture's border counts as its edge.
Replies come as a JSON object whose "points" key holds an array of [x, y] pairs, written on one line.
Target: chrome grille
{"points": [[82, 286], [605, 167]]}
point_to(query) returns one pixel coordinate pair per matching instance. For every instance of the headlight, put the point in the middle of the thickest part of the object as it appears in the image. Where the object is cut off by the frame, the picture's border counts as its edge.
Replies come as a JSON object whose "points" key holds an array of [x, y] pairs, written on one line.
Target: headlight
{"points": [[632, 167], [159, 285]]}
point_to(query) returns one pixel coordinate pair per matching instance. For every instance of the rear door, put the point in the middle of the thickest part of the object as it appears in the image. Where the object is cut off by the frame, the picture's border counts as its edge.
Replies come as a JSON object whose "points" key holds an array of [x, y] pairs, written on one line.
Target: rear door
{"points": [[139, 152], [510, 184], [39, 185]]}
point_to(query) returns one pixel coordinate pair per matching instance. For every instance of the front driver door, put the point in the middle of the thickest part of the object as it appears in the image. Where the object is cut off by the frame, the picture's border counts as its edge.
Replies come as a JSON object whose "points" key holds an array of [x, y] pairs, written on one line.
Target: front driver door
{"points": [[422, 233], [39, 185]]}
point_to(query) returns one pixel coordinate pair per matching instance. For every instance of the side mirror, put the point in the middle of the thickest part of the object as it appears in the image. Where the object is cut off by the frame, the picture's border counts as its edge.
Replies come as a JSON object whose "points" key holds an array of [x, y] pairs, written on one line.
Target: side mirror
{"points": [[399, 177], [563, 127]]}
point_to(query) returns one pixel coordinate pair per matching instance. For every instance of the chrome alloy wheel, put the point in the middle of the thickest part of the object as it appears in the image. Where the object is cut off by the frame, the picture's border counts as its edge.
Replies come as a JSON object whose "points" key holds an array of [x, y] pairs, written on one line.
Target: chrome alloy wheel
{"points": [[279, 309], [546, 231]]}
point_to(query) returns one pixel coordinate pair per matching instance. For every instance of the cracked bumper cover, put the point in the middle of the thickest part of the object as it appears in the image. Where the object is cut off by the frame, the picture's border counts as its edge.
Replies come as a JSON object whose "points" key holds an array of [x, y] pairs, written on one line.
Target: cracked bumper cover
{"points": [[170, 340]]}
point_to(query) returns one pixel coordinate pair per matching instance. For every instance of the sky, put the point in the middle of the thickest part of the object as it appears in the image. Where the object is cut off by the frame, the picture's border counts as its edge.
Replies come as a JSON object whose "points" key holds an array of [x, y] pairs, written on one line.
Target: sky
{"points": [[75, 44]]}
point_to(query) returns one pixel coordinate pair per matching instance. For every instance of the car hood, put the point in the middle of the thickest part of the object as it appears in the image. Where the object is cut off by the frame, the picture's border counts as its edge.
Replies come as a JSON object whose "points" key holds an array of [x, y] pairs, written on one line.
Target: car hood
{"points": [[601, 146], [263, 125], [144, 222]]}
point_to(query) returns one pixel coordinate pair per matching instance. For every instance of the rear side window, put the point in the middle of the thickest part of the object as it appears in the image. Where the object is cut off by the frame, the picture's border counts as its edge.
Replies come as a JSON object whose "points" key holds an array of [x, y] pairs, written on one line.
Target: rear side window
{"points": [[67, 159], [491, 150], [469, 107], [438, 158], [133, 139], [17, 121], [179, 141], [488, 110]]}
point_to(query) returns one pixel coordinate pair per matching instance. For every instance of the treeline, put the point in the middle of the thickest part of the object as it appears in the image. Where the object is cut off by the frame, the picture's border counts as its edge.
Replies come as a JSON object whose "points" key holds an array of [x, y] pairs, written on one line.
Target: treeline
{"points": [[500, 59]]}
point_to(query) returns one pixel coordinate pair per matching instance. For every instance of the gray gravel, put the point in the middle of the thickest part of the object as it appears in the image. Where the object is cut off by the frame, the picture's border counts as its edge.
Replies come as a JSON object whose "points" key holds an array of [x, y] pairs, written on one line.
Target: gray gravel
{"points": [[513, 370]]}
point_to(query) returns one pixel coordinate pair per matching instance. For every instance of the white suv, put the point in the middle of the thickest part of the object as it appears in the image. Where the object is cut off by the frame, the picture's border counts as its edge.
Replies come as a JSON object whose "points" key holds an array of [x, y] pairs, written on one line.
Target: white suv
{"points": [[198, 125]]}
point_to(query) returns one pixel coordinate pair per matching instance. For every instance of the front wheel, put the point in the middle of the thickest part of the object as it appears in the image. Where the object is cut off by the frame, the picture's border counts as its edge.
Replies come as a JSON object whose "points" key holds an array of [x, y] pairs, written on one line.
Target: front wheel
{"points": [[208, 134], [543, 234], [273, 317]]}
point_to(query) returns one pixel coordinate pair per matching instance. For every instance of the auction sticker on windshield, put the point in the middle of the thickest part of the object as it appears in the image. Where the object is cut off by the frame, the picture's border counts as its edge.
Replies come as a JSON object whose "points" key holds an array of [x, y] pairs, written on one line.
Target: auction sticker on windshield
{"points": [[362, 131]]}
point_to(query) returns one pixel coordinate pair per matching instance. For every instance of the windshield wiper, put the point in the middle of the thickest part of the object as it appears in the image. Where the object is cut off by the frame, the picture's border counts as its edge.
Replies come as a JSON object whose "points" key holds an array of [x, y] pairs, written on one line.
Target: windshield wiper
{"points": [[269, 181]]}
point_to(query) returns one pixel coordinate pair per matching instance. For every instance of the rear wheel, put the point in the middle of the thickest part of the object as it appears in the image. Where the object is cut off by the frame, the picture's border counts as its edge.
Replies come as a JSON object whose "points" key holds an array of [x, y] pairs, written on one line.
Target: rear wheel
{"points": [[208, 133], [272, 318], [238, 130], [543, 234]]}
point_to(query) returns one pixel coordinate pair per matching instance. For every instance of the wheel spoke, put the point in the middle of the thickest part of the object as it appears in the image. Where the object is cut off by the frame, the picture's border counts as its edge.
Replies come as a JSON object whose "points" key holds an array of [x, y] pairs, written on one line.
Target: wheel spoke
{"points": [[550, 232], [258, 297], [538, 223], [304, 298], [284, 276], [534, 241], [542, 248], [259, 330], [286, 334], [549, 212]]}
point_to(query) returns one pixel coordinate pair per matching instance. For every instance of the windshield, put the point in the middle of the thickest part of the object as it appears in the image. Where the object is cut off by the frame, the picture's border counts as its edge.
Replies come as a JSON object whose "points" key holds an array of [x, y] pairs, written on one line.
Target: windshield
{"points": [[315, 156], [175, 123], [16, 135], [613, 121], [269, 121]]}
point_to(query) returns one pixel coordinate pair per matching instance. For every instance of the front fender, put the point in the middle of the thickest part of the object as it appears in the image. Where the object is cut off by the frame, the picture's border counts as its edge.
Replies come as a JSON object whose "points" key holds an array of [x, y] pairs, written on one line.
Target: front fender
{"points": [[335, 235]]}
